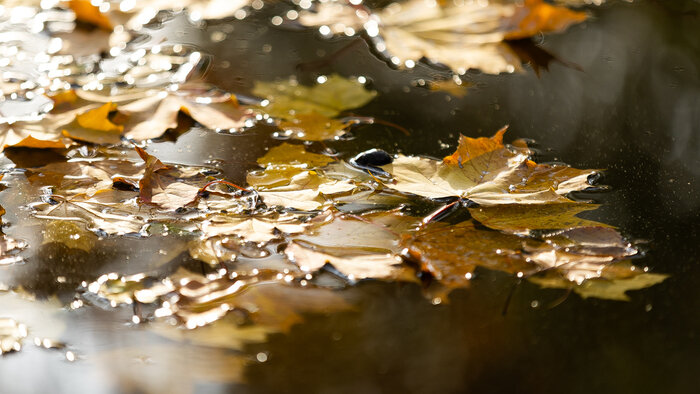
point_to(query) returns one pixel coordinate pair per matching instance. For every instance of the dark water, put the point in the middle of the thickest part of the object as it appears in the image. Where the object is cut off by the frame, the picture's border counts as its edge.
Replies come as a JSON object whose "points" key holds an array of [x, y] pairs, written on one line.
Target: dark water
{"points": [[633, 109]]}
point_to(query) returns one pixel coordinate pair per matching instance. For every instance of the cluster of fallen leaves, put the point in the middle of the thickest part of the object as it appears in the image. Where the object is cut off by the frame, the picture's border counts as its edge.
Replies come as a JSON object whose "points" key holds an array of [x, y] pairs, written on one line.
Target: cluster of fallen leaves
{"points": [[306, 222]]}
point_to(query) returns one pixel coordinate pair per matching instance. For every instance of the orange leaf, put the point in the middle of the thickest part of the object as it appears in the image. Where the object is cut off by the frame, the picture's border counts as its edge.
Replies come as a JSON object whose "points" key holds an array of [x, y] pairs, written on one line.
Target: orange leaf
{"points": [[469, 148], [537, 16], [31, 142], [98, 119], [88, 13]]}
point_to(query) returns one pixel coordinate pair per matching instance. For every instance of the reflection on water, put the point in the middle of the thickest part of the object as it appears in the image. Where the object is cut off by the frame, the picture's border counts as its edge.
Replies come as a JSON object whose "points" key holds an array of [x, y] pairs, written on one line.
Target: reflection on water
{"points": [[632, 109]]}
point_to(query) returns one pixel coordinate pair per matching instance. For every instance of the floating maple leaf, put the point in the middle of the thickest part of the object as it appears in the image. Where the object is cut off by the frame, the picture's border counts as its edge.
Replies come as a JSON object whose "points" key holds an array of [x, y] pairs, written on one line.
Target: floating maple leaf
{"points": [[460, 36], [307, 112], [485, 171]]}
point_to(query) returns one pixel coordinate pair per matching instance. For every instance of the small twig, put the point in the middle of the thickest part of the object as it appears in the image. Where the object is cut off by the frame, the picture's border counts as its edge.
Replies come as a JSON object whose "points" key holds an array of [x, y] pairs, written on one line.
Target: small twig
{"points": [[372, 120], [430, 218]]}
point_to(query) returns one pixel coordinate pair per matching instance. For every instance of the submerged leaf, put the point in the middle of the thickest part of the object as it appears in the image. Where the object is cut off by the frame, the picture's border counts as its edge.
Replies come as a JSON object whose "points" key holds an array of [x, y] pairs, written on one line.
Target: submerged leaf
{"points": [[69, 234], [315, 127], [609, 289], [451, 253], [252, 313], [293, 155], [287, 99], [307, 113], [523, 218]]}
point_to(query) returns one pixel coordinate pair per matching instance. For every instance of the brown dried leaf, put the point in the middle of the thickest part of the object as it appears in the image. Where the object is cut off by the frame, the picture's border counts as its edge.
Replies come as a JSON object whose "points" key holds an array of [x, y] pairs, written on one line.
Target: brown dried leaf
{"points": [[451, 253], [315, 127], [289, 181], [287, 154]]}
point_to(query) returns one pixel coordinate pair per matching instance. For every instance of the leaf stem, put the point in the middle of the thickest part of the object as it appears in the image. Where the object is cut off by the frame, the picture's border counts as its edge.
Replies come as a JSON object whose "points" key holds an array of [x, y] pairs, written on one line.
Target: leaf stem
{"points": [[217, 181]]}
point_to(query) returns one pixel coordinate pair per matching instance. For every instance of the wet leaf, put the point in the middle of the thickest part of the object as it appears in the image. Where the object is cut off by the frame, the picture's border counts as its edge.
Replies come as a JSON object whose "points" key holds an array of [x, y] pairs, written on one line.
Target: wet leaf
{"points": [[86, 12], [108, 212], [307, 113], [225, 237], [451, 253], [95, 126], [259, 229], [360, 247], [304, 190], [355, 263], [483, 170], [170, 187], [288, 98], [287, 154], [523, 218], [295, 184], [149, 112], [43, 133], [315, 127], [460, 36]]}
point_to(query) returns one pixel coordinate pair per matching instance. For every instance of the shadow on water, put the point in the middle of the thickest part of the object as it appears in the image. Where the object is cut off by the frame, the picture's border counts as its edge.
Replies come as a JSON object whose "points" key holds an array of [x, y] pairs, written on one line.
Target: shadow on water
{"points": [[632, 109]]}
